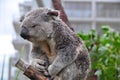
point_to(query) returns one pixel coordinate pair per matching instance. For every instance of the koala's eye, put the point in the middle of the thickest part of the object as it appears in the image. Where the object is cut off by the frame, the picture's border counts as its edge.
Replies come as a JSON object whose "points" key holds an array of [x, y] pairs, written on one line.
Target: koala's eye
{"points": [[33, 26]]}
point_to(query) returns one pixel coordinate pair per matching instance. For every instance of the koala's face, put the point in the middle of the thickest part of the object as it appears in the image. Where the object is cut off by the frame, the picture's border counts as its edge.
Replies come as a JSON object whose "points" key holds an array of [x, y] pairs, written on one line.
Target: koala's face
{"points": [[36, 25]]}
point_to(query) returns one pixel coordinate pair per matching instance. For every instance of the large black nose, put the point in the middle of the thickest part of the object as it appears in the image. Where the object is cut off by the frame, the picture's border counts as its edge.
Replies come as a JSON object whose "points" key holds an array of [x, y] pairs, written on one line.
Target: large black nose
{"points": [[24, 33]]}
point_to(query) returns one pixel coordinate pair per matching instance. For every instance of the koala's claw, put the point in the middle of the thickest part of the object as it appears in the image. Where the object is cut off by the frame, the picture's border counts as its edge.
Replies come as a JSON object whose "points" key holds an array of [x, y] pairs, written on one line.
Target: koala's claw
{"points": [[39, 67], [46, 74], [39, 64]]}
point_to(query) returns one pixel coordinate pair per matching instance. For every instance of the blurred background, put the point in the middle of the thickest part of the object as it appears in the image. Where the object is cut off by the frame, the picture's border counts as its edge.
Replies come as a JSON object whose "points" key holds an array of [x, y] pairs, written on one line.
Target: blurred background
{"points": [[83, 15]]}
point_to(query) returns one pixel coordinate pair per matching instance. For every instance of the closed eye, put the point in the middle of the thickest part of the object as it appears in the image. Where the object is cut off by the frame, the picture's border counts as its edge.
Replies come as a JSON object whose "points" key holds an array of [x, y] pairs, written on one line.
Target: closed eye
{"points": [[33, 26]]}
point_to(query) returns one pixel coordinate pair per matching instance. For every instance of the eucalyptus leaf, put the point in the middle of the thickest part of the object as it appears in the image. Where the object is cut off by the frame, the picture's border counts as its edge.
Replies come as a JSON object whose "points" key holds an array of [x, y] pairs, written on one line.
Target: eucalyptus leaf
{"points": [[104, 51]]}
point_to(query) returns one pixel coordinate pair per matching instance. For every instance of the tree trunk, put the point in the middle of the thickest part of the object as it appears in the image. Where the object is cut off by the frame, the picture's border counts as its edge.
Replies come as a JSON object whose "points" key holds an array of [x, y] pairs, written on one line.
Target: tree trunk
{"points": [[58, 6]]}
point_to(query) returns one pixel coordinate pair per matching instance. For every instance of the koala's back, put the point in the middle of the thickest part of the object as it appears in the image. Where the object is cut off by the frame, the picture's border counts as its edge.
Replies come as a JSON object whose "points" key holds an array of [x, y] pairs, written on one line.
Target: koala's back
{"points": [[80, 67]]}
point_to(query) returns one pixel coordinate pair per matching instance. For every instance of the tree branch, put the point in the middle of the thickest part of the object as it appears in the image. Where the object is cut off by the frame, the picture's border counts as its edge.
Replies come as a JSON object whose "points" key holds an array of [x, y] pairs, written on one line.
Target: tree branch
{"points": [[30, 71]]}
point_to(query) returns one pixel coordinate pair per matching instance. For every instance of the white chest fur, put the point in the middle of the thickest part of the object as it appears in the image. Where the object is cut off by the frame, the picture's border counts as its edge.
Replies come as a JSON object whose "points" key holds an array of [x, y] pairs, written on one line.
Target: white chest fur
{"points": [[49, 48]]}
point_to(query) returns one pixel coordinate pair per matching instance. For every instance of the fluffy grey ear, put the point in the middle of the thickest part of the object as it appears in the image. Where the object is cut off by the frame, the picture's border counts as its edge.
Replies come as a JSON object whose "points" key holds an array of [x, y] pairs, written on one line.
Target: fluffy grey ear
{"points": [[53, 13]]}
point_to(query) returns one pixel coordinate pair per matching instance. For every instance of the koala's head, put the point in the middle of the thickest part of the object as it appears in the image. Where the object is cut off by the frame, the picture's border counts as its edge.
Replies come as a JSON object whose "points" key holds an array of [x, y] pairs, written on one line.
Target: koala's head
{"points": [[37, 24]]}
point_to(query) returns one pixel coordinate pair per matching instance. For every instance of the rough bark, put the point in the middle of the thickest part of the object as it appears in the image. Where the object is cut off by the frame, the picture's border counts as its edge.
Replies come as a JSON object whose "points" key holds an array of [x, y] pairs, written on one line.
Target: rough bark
{"points": [[30, 71]]}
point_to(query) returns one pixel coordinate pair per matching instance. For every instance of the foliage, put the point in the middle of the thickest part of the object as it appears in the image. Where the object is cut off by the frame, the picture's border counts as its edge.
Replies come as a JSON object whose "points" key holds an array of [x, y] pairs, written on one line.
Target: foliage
{"points": [[104, 51]]}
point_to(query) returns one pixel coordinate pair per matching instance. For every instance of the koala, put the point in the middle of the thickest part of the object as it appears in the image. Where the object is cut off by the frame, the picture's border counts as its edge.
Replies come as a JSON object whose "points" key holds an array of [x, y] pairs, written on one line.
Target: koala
{"points": [[57, 50]]}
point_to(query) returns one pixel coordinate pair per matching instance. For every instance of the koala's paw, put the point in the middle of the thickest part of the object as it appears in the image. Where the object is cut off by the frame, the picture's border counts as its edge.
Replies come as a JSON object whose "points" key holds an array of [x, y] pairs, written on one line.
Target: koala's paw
{"points": [[40, 65]]}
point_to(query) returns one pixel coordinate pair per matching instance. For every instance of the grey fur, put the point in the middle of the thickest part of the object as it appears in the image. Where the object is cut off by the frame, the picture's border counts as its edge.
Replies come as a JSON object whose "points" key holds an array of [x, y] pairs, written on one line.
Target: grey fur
{"points": [[53, 42]]}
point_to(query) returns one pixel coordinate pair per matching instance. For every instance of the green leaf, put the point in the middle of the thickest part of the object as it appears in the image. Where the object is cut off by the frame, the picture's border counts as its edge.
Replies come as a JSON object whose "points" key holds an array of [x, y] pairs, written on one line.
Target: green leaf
{"points": [[104, 52], [105, 28], [98, 72]]}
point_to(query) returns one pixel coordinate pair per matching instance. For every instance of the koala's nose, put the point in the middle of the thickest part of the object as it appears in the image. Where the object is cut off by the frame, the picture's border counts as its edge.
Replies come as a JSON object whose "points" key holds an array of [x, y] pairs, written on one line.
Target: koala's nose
{"points": [[24, 33]]}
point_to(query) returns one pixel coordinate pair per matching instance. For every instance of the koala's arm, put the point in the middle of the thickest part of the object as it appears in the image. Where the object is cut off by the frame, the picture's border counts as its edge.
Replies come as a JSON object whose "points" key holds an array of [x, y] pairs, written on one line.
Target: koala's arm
{"points": [[38, 57], [64, 58]]}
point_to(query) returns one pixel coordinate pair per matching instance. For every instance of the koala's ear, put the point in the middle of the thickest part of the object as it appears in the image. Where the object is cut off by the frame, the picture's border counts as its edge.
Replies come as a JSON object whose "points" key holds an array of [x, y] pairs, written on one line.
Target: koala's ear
{"points": [[53, 13]]}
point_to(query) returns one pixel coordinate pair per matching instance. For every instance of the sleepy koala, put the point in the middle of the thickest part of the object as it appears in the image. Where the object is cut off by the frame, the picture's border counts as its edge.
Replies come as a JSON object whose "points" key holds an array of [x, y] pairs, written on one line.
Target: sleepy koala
{"points": [[56, 48]]}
